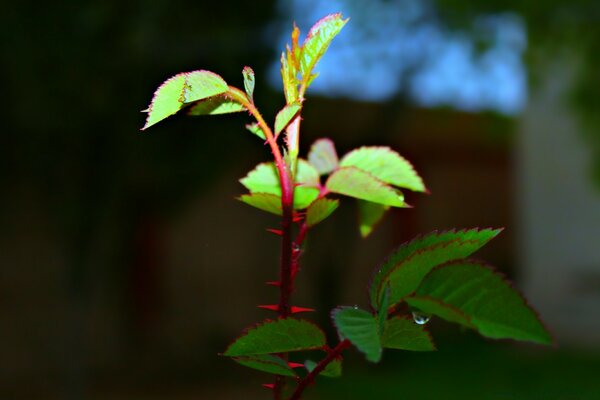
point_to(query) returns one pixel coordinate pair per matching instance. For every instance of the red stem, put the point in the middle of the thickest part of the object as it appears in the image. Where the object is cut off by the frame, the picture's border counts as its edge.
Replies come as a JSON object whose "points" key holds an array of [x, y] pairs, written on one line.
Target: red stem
{"points": [[310, 378]]}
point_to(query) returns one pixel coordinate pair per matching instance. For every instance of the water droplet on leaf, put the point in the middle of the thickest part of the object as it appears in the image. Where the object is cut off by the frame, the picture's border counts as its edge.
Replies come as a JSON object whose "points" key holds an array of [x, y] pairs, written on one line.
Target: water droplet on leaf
{"points": [[420, 318]]}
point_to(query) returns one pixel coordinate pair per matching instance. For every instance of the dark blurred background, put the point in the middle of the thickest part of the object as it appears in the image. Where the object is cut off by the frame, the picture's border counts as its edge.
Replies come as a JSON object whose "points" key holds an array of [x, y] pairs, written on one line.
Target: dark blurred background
{"points": [[126, 265]]}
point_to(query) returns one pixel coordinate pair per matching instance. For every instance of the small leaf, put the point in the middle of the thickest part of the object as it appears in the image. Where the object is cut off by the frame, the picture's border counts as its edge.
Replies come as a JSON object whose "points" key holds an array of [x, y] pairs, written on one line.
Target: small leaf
{"points": [[257, 130], [360, 328], [316, 43], [181, 90], [332, 370], [386, 165], [215, 105], [288, 75], [285, 116], [249, 81], [495, 308], [404, 334], [319, 210], [266, 363], [278, 336], [409, 264], [263, 201], [322, 156], [369, 215], [356, 183]]}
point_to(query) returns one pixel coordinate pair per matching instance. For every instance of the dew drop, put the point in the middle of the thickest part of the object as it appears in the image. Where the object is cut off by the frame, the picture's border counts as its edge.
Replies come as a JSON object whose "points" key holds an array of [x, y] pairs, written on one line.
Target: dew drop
{"points": [[420, 318]]}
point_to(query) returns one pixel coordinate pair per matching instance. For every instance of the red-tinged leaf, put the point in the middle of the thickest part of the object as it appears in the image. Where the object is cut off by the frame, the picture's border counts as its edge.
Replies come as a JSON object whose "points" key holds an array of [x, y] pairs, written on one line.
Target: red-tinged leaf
{"points": [[332, 370], [370, 214], [360, 328], [319, 210], [409, 264], [278, 336], [215, 105], [404, 334], [266, 363], [323, 156], [248, 74], [493, 306], [359, 184], [263, 201], [285, 116], [386, 165]]}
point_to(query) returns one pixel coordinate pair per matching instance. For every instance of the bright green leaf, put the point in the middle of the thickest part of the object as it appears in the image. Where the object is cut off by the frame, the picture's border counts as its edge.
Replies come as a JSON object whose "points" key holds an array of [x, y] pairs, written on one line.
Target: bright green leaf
{"points": [[316, 43], [332, 370], [386, 165], [356, 183], [360, 328], [181, 90], [409, 264], [319, 210], [263, 201], [405, 334], [369, 215], [288, 75], [249, 81], [306, 174], [322, 156], [495, 308], [257, 130], [215, 105], [285, 116], [277, 336], [267, 363]]}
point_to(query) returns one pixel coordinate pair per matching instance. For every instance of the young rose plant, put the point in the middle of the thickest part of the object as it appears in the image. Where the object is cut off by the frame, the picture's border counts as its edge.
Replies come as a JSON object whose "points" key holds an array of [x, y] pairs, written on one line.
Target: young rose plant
{"points": [[428, 276]]}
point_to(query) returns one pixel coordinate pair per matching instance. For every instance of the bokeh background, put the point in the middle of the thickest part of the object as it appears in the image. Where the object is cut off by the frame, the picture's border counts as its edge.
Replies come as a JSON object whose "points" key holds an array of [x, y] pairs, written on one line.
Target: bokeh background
{"points": [[126, 264]]}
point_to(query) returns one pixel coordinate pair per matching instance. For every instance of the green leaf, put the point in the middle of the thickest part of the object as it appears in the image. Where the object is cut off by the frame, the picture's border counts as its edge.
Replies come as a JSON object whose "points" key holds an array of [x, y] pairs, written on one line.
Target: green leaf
{"points": [[267, 363], [360, 328], [407, 266], [288, 75], [285, 116], [181, 90], [386, 165], [430, 305], [322, 156], [382, 314], [495, 308], [277, 336], [257, 130], [369, 215], [316, 43], [249, 81], [264, 201], [215, 105], [332, 370], [403, 334], [319, 210], [306, 174], [356, 183]]}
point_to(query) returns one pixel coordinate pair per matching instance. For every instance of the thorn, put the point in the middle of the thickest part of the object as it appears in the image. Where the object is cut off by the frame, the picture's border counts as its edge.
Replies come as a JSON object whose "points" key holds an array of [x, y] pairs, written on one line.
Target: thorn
{"points": [[269, 385], [275, 231], [271, 307], [297, 218], [274, 283], [296, 310], [295, 365]]}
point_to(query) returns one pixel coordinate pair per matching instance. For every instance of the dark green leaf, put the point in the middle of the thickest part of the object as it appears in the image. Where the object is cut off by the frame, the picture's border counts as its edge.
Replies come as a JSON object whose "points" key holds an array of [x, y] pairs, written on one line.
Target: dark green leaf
{"points": [[332, 370], [405, 334], [356, 183], [409, 264], [319, 210], [436, 307], [386, 165], [277, 336], [264, 201], [285, 116], [382, 314], [267, 363], [369, 215], [215, 105], [495, 308], [323, 157], [249, 82], [360, 328]]}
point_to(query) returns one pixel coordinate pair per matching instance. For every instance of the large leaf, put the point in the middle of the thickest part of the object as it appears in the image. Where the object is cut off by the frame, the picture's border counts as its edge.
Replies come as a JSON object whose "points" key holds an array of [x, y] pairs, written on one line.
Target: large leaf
{"points": [[369, 214], [408, 265], [263, 201], [319, 210], [285, 116], [181, 90], [496, 309], [359, 184], [322, 156], [215, 105], [267, 363], [332, 370], [404, 334], [316, 43], [277, 336], [386, 165], [249, 81], [360, 328]]}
